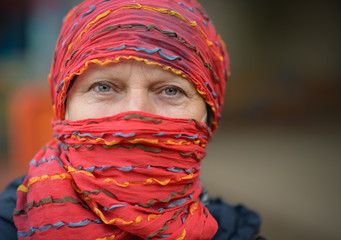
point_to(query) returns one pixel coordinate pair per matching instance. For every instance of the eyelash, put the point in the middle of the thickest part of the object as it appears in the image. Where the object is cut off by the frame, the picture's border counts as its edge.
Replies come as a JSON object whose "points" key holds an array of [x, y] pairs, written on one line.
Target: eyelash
{"points": [[113, 87], [180, 90], [97, 84]]}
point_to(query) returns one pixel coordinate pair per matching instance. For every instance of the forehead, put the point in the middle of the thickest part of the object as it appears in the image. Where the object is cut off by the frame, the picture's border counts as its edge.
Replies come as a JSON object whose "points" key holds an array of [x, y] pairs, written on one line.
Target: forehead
{"points": [[124, 70]]}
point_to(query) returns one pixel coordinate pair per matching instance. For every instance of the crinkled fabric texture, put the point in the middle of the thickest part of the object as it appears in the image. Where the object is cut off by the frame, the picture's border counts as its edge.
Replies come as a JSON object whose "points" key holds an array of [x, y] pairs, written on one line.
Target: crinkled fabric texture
{"points": [[178, 36], [133, 174], [235, 223]]}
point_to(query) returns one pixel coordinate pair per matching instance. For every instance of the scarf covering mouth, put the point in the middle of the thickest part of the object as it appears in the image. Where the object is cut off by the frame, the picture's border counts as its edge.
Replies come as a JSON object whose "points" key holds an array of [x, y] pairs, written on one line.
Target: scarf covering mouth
{"points": [[178, 36], [131, 175]]}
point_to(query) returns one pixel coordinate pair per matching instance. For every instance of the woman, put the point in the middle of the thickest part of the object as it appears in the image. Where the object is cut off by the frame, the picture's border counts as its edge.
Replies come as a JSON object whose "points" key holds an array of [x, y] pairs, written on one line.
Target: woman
{"points": [[137, 90]]}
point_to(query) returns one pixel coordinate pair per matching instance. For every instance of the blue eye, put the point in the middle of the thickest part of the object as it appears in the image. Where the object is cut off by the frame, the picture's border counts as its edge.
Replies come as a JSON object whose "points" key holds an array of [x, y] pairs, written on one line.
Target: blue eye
{"points": [[171, 91], [103, 88]]}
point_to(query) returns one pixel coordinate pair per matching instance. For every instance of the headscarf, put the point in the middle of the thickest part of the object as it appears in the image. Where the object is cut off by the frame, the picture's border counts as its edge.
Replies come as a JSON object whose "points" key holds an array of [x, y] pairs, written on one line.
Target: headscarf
{"points": [[133, 175], [175, 35]]}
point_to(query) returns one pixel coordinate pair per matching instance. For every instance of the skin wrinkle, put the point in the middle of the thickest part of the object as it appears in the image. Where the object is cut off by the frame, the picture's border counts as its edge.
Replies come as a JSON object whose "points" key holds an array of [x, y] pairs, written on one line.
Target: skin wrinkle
{"points": [[135, 86], [123, 58]]}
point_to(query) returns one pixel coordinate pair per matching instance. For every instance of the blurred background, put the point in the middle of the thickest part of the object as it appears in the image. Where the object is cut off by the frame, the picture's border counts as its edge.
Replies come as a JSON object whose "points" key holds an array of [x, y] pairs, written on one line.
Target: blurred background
{"points": [[279, 145]]}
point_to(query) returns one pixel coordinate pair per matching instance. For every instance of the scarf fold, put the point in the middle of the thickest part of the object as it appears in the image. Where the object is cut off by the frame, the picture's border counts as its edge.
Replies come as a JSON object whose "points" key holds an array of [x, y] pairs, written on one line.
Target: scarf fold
{"points": [[133, 174]]}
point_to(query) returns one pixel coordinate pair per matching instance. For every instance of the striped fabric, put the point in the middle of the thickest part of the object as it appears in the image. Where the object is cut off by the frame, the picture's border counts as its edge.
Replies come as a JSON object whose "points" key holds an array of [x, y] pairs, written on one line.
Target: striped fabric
{"points": [[134, 175], [177, 36], [137, 176]]}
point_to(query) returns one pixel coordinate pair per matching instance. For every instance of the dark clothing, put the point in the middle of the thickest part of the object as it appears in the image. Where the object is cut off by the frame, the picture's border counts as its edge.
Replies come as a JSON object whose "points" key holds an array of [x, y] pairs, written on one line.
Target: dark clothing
{"points": [[235, 222], [8, 201]]}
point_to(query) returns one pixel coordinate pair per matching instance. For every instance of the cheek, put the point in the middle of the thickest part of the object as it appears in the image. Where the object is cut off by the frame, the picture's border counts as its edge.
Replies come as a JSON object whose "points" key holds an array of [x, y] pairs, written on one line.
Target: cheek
{"points": [[80, 107], [98, 110], [192, 110], [75, 110], [200, 110]]}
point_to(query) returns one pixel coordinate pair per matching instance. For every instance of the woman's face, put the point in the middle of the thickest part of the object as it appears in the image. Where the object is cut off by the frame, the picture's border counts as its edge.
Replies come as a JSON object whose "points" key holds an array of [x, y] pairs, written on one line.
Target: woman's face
{"points": [[103, 91]]}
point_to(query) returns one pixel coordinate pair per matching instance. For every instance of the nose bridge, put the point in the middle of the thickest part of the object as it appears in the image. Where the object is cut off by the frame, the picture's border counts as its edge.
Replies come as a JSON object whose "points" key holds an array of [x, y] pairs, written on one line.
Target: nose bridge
{"points": [[138, 99]]}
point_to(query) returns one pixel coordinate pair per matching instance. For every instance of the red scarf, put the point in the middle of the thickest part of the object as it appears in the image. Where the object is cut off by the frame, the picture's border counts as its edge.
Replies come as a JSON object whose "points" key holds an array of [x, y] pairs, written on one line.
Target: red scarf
{"points": [[134, 174], [178, 36]]}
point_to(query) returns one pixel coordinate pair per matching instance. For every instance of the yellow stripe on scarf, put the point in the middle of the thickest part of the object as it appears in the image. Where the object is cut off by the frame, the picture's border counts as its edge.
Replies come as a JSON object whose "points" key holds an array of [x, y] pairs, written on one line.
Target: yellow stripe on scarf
{"points": [[149, 181], [134, 141]]}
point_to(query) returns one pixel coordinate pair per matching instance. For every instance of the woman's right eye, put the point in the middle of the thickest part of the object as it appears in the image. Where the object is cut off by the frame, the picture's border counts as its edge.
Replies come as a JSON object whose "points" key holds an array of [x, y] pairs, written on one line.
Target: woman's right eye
{"points": [[103, 88]]}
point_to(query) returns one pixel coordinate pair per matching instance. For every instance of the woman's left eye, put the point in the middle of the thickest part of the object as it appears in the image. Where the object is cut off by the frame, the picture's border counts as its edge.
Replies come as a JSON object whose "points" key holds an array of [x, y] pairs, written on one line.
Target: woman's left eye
{"points": [[171, 91]]}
